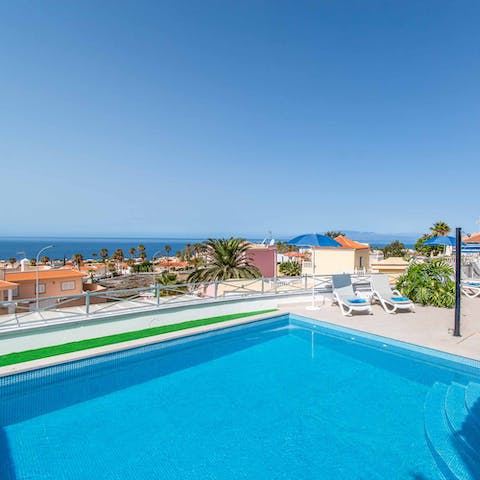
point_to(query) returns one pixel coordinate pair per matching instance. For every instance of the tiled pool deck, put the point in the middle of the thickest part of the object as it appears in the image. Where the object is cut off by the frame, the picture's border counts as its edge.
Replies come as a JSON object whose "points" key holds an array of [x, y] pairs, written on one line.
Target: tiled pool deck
{"points": [[428, 326]]}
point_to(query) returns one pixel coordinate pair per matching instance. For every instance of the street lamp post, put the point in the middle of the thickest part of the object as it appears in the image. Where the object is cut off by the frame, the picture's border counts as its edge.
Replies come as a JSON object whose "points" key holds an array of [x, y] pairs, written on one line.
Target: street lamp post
{"points": [[37, 259]]}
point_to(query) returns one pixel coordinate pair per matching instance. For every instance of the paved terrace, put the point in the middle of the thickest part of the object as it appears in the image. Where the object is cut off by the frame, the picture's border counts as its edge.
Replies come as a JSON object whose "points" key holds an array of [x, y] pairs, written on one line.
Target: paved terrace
{"points": [[429, 326]]}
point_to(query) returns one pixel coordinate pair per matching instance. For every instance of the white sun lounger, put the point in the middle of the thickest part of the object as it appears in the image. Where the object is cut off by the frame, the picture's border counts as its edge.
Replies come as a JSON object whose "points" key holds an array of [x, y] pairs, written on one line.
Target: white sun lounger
{"points": [[390, 299], [344, 295], [470, 288]]}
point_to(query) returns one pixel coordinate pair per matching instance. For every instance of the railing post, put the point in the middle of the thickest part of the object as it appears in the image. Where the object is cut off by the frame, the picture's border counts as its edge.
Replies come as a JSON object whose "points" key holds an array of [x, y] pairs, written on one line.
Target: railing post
{"points": [[158, 294], [87, 303], [216, 289], [275, 284], [306, 281], [263, 285]]}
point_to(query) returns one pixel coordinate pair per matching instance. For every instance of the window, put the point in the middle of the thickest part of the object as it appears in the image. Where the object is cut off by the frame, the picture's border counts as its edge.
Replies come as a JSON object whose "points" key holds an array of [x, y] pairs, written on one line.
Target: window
{"points": [[360, 262], [15, 292], [41, 288], [68, 285]]}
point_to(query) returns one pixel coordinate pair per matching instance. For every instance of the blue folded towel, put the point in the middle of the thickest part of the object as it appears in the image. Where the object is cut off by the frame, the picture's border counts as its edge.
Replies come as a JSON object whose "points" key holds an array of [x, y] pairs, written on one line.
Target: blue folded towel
{"points": [[474, 284], [400, 299], [357, 300]]}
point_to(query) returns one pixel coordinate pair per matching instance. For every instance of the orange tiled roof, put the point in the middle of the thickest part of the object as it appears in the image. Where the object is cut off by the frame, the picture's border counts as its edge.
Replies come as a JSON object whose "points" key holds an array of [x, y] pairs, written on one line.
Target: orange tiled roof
{"points": [[474, 238], [347, 243], [172, 264], [7, 285], [42, 275]]}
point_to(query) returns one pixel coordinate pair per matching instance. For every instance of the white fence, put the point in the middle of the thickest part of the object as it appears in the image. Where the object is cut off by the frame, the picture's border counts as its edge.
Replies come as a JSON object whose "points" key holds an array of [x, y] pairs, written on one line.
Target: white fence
{"points": [[23, 313]]}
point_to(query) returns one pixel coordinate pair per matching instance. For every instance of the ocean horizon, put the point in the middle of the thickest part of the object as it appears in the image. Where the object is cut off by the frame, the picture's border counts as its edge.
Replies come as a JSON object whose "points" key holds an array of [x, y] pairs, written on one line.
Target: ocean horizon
{"points": [[65, 247]]}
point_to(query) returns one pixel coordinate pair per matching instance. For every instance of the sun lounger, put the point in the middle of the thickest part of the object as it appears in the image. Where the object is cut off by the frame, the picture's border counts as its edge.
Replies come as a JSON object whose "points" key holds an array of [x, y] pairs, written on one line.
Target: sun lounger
{"points": [[391, 300], [471, 288], [344, 295]]}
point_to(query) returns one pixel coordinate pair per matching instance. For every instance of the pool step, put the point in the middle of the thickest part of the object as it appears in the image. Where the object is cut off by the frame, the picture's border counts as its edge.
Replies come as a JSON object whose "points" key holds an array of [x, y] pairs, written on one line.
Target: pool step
{"points": [[472, 402], [460, 421], [451, 433]]}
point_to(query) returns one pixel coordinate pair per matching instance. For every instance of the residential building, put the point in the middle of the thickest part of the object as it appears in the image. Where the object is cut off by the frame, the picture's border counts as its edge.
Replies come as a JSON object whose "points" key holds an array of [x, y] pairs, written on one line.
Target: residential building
{"points": [[350, 257], [51, 283]]}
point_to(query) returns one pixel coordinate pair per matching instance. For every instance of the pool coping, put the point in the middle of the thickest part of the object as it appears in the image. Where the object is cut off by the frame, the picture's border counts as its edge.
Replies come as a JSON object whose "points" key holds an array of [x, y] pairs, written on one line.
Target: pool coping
{"points": [[459, 363], [456, 362], [130, 344]]}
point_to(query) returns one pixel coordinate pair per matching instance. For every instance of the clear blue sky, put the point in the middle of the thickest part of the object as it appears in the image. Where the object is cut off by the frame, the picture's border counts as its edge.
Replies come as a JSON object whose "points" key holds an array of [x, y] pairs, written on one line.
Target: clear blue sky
{"points": [[238, 117]]}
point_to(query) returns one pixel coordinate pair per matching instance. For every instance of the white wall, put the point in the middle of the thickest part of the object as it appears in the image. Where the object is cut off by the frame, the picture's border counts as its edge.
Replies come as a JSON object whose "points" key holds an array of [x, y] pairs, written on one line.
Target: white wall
{"points": [[97, 327]]}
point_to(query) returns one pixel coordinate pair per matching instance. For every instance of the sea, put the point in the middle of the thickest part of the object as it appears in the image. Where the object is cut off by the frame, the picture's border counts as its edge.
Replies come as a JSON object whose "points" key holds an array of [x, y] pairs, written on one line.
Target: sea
{"points": [[66, 247]]}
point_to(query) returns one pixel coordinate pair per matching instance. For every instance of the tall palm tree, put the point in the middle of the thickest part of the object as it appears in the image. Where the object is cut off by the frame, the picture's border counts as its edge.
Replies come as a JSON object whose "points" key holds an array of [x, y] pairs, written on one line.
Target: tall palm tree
{"points": [[132, 252], [439, 229], [118, 255], [141, 251], [104, 256], [168, 249], [226, 258], [77, 259]]}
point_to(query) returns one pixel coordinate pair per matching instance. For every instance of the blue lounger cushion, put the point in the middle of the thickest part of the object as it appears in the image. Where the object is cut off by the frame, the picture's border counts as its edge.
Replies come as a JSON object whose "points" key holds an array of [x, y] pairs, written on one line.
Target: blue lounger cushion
{"points": [[357, 300], [400, 299], [474, 284]]}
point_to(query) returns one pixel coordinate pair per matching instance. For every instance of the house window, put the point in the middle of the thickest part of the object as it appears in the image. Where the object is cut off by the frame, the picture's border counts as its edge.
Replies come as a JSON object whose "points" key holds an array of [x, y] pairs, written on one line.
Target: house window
{"points": [[68, 285], [360, 263], [41, 288], [15, 292]]}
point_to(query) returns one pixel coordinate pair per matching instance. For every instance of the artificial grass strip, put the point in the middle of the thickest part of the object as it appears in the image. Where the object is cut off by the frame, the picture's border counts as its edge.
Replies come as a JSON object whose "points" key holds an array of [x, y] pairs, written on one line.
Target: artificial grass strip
{"points": [[44, 352]]}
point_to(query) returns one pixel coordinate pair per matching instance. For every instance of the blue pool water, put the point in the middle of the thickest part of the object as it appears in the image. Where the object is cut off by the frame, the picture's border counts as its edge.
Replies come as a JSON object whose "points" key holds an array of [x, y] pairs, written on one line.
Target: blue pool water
{"points": [[279, 399]]}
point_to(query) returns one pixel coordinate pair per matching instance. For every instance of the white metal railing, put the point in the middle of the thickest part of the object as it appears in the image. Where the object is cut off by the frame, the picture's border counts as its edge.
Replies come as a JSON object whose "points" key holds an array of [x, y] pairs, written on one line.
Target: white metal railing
{"points": [[22, 313]]}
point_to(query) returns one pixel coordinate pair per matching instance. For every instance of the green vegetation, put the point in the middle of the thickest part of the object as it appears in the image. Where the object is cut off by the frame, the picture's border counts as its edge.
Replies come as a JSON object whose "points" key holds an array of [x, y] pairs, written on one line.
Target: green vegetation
{"points": [[291, 269], [77, 259], [226, 258], [440, 228], [145, 266], [427, 250], [429, 283], [26, 356], [436, 230], [283, 247], [333, 234], [170, 280], [394, 249]]}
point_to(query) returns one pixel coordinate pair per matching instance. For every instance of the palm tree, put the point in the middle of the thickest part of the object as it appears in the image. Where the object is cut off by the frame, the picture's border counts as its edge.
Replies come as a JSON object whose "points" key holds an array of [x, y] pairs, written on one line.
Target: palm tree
{"points": [[132, 252], [283, 247], [141, 251], [226, 258], [12, 261], [104, 254], [334, 234], [168, 249], [118, 255], [188, 252], [439, 229], [45, 259], [77, 259]]}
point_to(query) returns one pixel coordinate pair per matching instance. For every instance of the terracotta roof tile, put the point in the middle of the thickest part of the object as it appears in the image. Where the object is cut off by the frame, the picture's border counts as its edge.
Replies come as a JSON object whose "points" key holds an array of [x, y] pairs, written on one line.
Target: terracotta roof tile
{"points": [[42, 275], [347, 243]]}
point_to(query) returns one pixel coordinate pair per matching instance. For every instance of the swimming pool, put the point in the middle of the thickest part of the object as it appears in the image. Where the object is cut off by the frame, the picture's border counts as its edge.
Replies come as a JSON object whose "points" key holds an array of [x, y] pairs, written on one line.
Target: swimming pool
{"points": [[282, 398]]}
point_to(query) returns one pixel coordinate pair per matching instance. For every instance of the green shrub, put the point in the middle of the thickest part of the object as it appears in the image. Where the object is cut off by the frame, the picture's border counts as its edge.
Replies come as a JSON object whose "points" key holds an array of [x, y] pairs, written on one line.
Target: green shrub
{"points": [[291, 269], [429, 283]]}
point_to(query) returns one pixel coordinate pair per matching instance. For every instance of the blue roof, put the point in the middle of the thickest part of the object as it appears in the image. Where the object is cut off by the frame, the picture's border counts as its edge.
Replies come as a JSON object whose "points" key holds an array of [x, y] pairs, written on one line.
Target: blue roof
{"points": [[313, 240]]}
